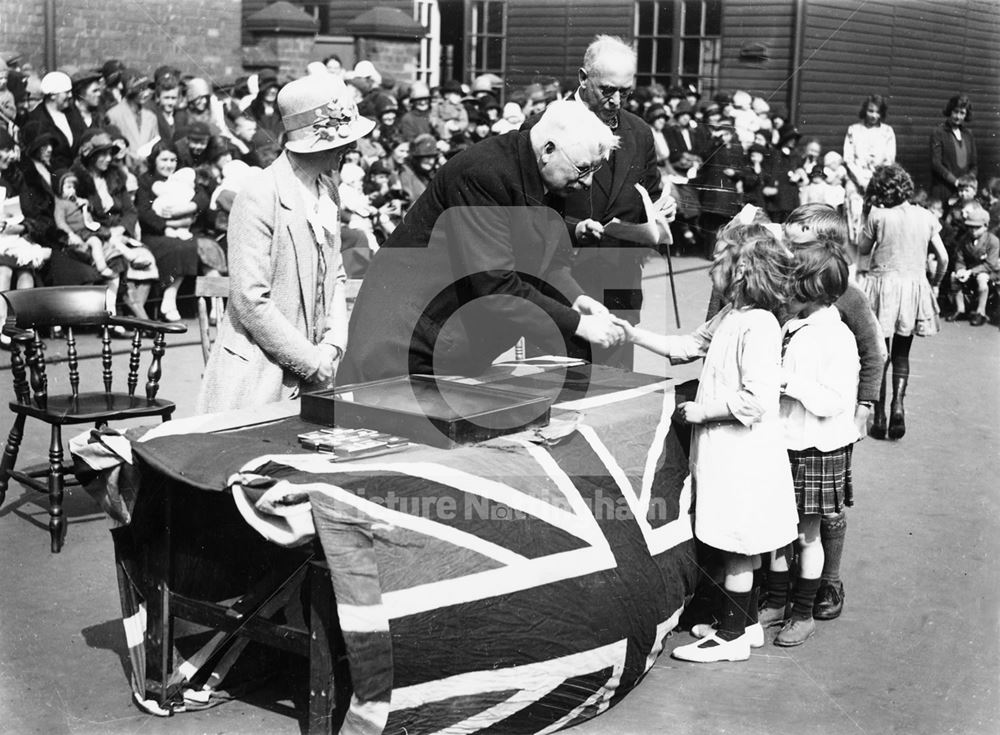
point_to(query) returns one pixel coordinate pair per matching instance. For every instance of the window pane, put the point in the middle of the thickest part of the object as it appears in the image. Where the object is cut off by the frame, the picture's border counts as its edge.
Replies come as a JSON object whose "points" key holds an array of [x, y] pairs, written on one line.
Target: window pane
{"points": [[691, 57], [713, 17], [645, 55], [495, 22], [644, 10], [494, 53], [478, 55], [692, 17], [665, 13], [664, 54]]}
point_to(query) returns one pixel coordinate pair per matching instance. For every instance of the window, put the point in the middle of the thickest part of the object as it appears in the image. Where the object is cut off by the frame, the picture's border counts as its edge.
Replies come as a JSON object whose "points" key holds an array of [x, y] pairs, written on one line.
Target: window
{"points": [[679, 42], [321, 12], [428, 14], [487, 37]]}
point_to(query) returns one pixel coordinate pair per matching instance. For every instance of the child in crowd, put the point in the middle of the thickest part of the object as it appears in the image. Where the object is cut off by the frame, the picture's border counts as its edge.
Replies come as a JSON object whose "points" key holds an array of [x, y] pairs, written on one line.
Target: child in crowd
{"points": [[173, 193], [744, 499], [819, 383], [977, 261], [826, 183], [85, 236]]}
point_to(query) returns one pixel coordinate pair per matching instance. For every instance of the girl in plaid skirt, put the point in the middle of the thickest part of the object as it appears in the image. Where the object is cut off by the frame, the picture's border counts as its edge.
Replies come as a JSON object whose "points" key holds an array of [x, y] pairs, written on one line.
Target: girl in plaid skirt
{"points": [[820, 369]]}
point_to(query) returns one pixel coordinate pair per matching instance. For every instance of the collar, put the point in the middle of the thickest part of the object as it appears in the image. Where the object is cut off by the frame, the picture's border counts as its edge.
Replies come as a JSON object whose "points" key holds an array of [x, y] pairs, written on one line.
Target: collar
{"points": [[825, 315], [578, 98]]}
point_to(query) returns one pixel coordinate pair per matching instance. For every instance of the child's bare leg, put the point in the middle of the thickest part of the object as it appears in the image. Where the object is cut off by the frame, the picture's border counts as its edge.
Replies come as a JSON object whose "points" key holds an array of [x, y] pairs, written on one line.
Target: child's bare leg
{"points": [[137, 292], [97, 254], [168, 306]]}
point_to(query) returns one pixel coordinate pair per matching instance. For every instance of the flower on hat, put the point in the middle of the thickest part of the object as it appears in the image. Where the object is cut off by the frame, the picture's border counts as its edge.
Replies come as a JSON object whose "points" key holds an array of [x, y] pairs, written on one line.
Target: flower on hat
{"points": [[333, 120]]}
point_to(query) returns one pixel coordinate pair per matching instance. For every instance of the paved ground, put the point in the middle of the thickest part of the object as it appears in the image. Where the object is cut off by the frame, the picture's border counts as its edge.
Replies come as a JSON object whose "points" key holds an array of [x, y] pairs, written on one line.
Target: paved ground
{"points": [[917, 650]]}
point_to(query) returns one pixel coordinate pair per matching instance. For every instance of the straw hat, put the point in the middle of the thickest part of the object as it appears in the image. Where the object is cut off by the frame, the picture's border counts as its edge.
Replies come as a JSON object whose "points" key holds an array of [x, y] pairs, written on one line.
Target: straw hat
{"points": [[319, 113]]}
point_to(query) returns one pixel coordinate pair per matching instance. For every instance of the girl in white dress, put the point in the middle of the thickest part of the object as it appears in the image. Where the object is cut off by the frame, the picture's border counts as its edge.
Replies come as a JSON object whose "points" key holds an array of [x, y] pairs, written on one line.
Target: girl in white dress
{"points": [[744, 498]]}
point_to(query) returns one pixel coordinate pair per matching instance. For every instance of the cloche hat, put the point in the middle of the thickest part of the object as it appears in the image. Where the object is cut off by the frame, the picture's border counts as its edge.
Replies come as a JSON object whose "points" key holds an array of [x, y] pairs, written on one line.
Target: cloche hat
{"points": [[319, 114]]}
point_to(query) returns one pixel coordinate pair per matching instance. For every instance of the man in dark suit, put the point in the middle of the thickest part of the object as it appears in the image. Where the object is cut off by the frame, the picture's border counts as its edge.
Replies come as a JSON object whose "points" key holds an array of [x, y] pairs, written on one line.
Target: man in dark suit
{"points": [[480, 261], [607, 269]]}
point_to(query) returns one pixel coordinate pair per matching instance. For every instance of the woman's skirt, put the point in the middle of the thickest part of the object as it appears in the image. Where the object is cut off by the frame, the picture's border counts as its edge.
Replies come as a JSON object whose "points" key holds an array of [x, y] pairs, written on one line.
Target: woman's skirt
{"points": [[175, 258]]}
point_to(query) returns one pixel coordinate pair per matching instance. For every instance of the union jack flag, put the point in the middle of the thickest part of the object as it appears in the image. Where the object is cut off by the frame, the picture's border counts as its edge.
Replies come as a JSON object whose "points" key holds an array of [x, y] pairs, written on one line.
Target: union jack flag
{"points": [[509, 587]]}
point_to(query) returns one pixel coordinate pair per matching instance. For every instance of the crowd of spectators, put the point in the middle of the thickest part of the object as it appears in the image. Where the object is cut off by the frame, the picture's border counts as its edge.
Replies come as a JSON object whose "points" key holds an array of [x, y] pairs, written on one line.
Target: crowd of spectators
{"points": [[126, 179]]}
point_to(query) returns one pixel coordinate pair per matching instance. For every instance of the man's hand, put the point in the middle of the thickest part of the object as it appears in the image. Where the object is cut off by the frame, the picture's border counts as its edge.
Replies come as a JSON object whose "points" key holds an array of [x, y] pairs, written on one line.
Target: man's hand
{"points": [[588, 305], [690, 412], [665, 208], [589, 231], [600, 329]]}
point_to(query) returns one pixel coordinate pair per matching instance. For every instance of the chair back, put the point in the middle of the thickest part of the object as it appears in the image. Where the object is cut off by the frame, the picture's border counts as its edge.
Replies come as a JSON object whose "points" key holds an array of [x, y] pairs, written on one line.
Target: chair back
{"points": [[71, 308], [209, 291]]}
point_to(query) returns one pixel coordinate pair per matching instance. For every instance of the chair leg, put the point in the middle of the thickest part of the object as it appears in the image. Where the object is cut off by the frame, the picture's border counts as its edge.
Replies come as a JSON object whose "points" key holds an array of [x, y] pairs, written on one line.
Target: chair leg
{"points": [[57, 521], [10, 453]]}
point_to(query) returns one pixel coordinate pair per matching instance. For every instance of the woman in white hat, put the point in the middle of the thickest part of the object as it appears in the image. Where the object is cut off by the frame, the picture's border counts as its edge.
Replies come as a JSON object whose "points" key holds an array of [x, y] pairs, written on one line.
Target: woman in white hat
{"points": [[285, 327]]}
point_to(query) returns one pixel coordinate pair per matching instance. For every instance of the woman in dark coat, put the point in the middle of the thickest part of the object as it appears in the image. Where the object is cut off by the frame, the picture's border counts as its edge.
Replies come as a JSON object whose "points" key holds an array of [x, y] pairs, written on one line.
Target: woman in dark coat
{"points": [[103, 185], [953, 149], [37, 204], [176, 257], [720, 183]]}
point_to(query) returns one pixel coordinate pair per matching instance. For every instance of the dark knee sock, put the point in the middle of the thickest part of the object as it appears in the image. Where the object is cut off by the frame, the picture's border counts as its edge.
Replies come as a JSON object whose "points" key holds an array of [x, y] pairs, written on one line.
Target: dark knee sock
{"points": [[754, 604], [777, 589], [804, 597], [833, 530], [734, 615]]}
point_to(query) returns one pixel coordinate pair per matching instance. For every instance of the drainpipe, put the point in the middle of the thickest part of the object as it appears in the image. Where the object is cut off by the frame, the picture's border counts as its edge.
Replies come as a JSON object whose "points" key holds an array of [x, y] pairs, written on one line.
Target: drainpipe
{"points": [[50, 34], [798, 45]]}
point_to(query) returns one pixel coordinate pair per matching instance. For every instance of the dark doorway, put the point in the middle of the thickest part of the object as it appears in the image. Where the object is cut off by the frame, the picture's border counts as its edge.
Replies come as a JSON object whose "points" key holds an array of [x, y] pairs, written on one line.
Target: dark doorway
{"points": [[452, 39]]}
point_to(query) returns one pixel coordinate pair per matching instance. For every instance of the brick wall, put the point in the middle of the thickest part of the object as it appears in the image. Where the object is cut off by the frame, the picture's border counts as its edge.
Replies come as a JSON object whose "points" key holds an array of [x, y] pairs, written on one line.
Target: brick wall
{"points": [[197, 37], [288, 53], [395, 58]]}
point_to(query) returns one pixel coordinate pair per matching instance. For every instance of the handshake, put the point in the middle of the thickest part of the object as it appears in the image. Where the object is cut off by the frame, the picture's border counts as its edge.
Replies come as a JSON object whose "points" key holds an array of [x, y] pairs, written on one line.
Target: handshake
{"points": [[598, 326]]}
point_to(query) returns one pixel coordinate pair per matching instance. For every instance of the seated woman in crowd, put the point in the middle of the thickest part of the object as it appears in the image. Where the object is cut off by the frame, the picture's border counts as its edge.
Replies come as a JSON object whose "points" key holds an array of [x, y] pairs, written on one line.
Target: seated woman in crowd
{"points": [[103, 186], [176, 258]]}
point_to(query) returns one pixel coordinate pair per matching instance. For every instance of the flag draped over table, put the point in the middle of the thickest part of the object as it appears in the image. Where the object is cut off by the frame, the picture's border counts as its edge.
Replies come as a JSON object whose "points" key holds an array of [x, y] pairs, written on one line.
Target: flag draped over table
{"points": [[508, 587]]}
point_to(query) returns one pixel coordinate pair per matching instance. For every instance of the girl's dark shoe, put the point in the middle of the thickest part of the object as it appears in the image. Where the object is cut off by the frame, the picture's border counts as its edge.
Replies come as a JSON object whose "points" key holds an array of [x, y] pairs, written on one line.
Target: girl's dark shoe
{"points": [[878, 428], [897, 415], [977, 320], [897, 423], [829, 601]]}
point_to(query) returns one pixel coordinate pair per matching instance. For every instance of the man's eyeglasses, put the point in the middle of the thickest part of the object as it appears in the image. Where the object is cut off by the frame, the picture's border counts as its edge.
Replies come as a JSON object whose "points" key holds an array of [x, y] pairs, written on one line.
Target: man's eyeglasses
{"points": [[582, 173], [608, 91]]}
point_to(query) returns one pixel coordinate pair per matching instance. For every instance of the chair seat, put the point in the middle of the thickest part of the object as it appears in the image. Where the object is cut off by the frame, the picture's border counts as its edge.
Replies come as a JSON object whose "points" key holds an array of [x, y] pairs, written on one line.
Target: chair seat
{"points": [[91, 407]]}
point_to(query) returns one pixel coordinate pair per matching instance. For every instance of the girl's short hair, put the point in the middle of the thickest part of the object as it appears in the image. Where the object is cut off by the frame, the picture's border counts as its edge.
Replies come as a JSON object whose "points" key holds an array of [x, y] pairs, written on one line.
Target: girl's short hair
{"points": [[824, 222], [959, 101], [751, 267], [877, 100], [890, 186], [820, 273]]}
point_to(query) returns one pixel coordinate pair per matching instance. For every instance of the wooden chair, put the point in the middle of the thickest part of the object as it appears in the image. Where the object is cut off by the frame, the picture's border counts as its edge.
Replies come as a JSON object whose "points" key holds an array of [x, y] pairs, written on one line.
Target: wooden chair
{"points": [[71, 307], [210, 291]]}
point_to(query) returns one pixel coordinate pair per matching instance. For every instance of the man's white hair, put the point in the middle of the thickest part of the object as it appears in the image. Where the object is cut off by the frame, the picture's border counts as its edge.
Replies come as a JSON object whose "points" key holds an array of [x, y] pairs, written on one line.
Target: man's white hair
{"points": [[568, 122], [604, 47]]}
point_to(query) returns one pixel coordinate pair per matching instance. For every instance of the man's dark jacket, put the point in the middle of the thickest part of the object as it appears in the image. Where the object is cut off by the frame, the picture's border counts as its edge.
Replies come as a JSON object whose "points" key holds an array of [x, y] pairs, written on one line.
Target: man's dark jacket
{"points": [[481, 229]]}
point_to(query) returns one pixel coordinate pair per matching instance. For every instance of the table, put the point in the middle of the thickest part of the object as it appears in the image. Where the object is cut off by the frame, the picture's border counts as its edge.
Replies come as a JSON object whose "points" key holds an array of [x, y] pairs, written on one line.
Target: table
{"points": [[509, 582]]}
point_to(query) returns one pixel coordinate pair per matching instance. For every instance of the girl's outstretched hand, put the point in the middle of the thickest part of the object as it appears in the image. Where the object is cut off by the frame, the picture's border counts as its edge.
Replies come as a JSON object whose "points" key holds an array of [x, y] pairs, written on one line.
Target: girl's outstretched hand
{"points": [[690, 412]]}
